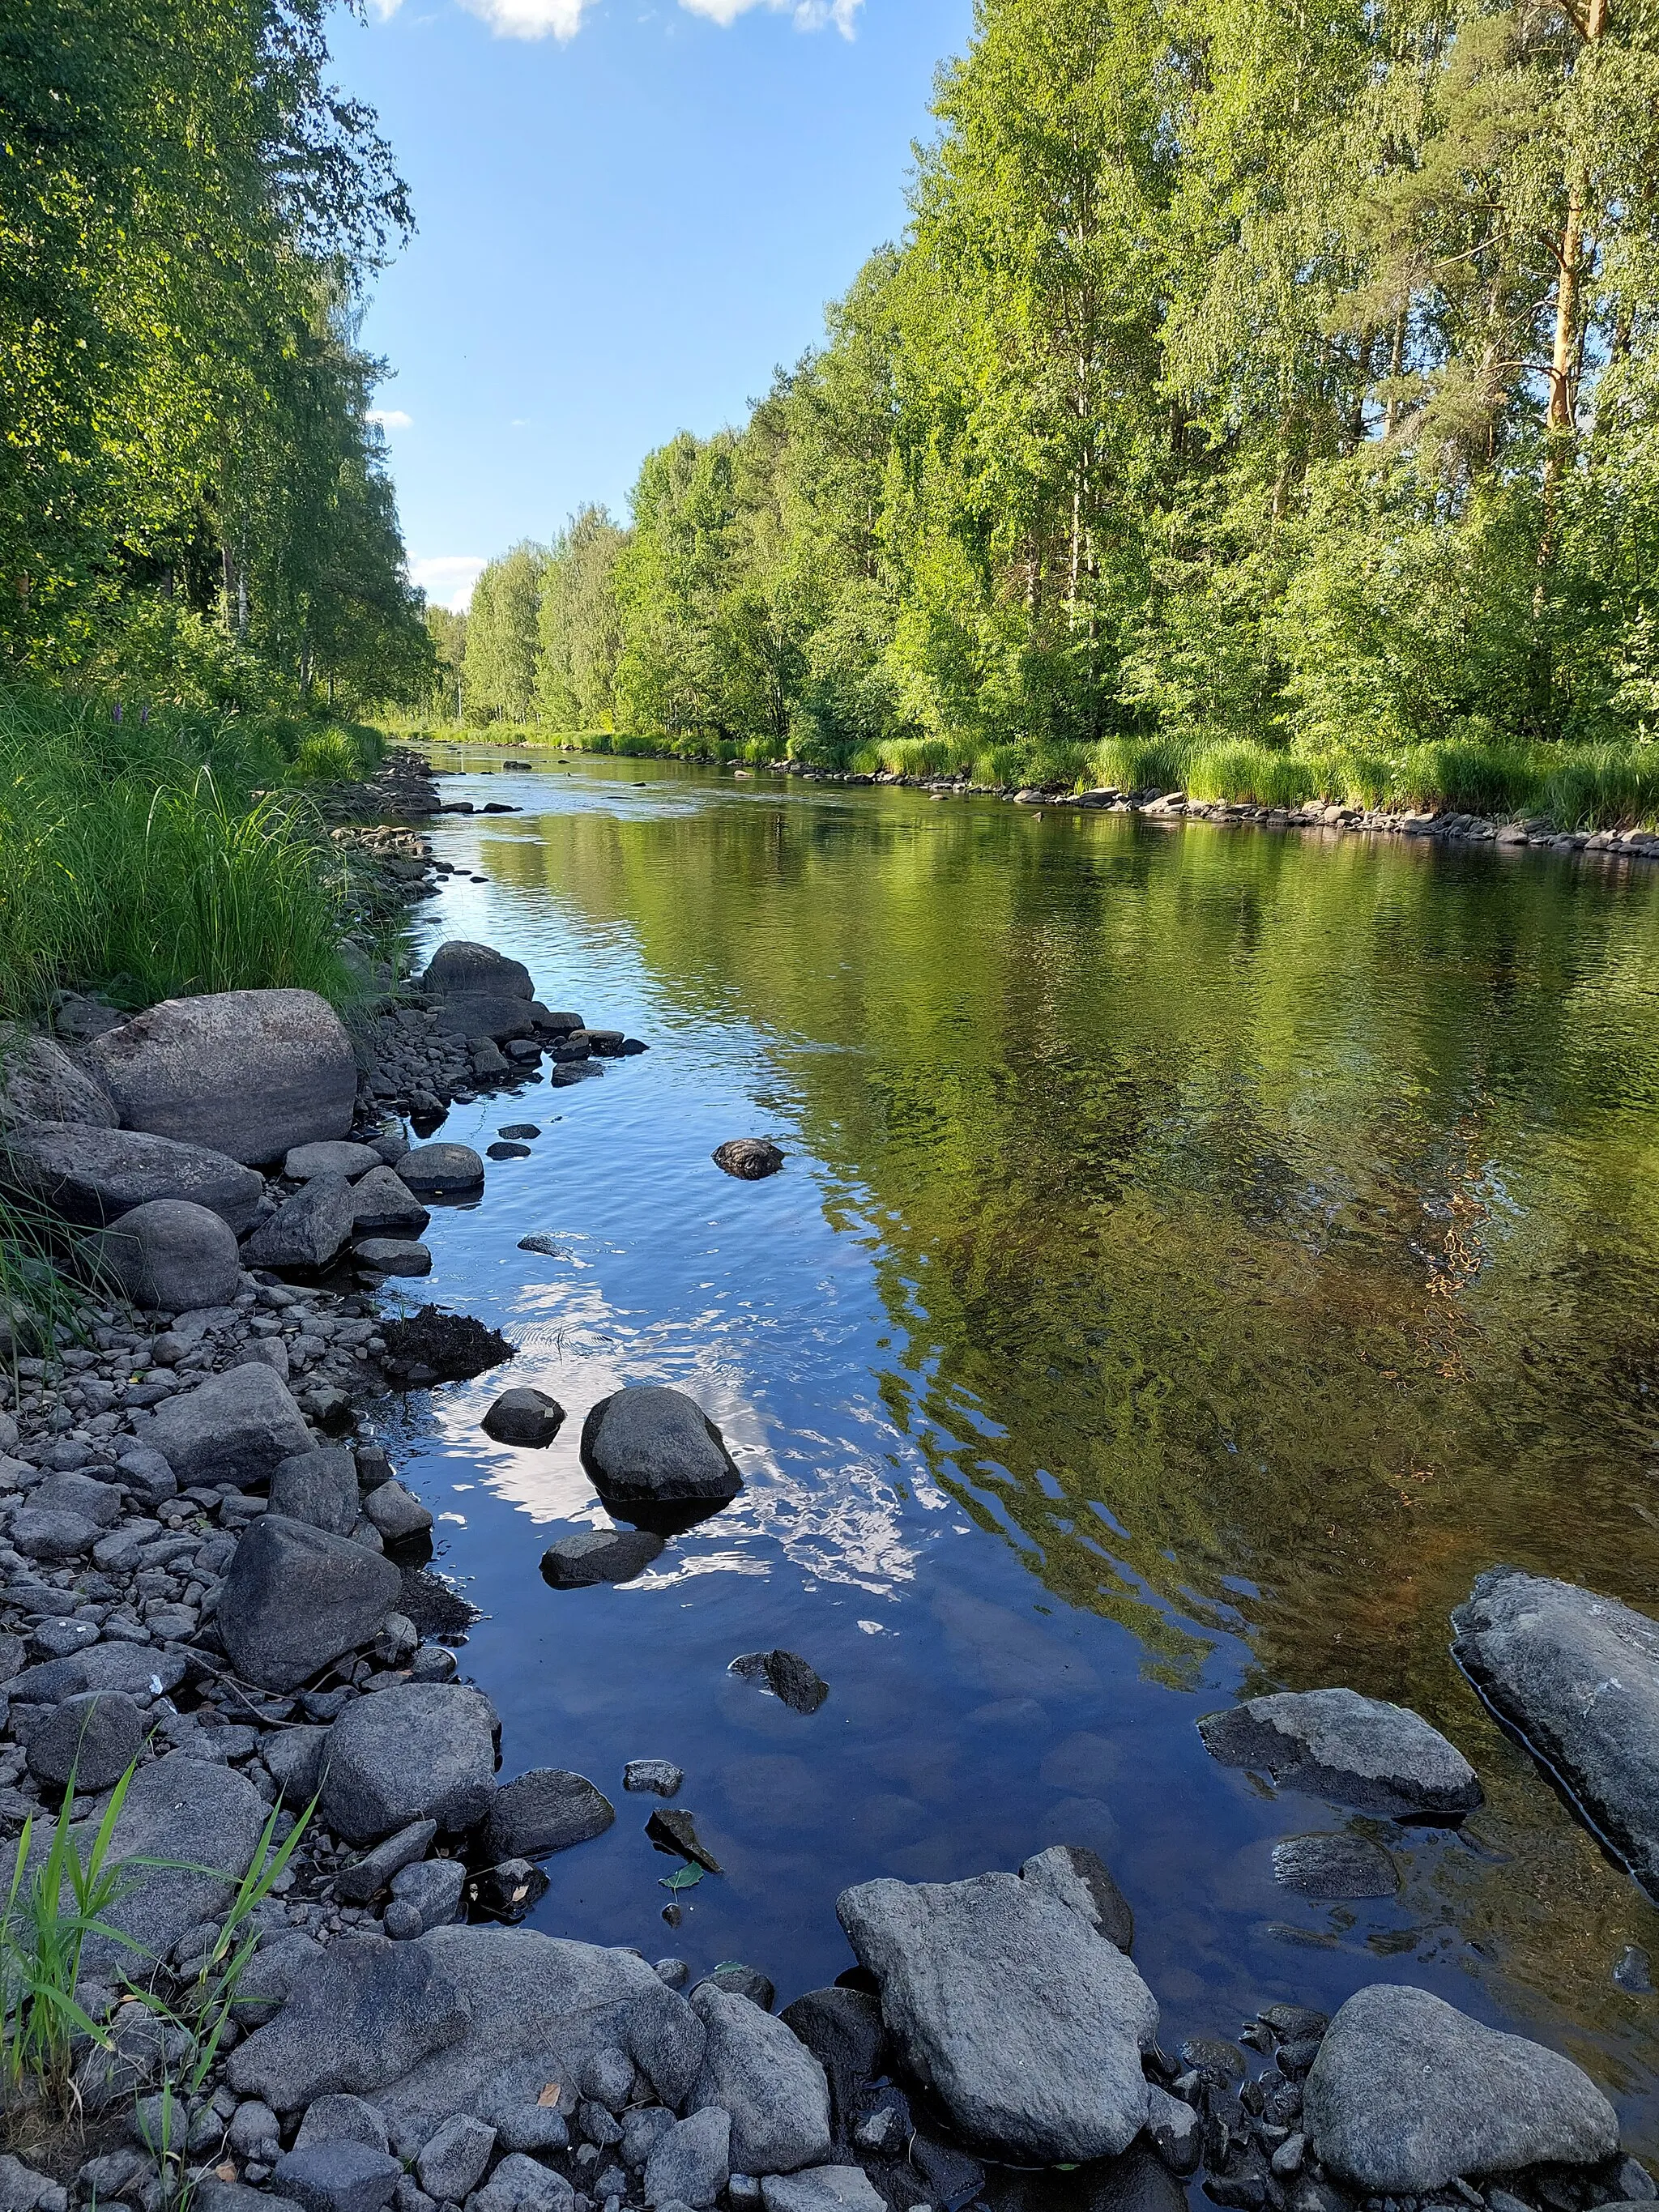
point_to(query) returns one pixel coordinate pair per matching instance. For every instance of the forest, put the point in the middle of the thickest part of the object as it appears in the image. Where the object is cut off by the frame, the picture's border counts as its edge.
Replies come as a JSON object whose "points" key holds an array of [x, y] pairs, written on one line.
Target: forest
{"points": [[195, 510], [1258, 396]]}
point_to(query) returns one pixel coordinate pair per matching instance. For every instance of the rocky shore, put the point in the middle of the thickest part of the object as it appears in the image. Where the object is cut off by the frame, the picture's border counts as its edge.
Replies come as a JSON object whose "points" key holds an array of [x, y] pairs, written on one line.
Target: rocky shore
{"points": [[209, 1575]]}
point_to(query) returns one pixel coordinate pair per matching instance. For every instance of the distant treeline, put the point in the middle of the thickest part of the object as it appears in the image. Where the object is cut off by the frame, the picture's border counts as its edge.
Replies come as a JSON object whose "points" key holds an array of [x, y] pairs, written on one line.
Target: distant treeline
{"points": [[194, 506], [1248, 375]]}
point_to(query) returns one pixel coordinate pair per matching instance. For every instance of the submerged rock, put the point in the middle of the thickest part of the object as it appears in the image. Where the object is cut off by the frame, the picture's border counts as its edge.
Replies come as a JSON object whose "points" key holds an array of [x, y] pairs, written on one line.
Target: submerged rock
{"points": [[1025, 2022], [786, 1674], [1351, 1750], [1408, 2094], [1577, 1674], [1334, 1866], [249, 1073], [93, 1176], [750, 1159], [654, 1446], [661, 1778]]}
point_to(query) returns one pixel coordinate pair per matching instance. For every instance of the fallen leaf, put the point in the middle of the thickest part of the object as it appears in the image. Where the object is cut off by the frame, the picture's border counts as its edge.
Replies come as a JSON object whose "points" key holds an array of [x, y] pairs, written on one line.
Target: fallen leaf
{"points": [[685, 1877], [549, 2095], [226, 2171]]}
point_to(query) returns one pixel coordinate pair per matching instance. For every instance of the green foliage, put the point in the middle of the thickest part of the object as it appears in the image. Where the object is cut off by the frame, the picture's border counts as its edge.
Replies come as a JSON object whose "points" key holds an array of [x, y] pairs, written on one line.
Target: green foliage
{"points": [[498, 675], [135, 859]]}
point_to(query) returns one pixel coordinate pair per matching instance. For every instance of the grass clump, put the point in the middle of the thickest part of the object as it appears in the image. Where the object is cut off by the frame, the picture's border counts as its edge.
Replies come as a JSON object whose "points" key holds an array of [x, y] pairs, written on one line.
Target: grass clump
{"points": [[140, 860]]}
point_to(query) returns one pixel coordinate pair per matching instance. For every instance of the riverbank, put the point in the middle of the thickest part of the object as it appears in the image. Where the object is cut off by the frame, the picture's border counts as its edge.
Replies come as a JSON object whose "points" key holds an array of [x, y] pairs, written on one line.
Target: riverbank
{"points": [[456, 2034]]}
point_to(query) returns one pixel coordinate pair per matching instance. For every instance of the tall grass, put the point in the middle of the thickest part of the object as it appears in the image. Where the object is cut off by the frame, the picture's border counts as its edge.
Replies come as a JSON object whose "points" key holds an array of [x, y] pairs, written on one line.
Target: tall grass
{"points": [[138, 862]]}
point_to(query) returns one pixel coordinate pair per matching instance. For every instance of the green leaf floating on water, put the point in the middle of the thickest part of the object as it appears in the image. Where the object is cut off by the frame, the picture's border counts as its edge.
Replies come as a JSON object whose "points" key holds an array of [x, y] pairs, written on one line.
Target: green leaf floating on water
{"points": [[685, 1877]]}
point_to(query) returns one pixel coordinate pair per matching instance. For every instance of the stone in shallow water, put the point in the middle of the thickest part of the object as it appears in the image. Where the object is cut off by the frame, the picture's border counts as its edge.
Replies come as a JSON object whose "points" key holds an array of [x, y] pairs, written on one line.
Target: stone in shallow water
{"points": [[437, 1169], [676, 1830], [384, 1205], [599, 1555], [392, 1256], [1351, 1750], [1334, 1866], [750, 1159], [521, 1131], [656, 1446], [502, 1149], [524, 1417], [1080, 1878], [786, 1674], [661, 1777], [1578, 1675], [544, 1811], [1408, 2093], [311, 1230]]}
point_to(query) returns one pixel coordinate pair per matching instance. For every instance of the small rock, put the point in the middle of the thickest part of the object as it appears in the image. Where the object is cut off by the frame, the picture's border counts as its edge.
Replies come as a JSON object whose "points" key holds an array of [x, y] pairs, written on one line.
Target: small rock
{"points": [[383, 1205], [658, 1776], [750, 1159], [373, 1873], [672, 1830], [843, 2030], [337, 2177], [1348, 1749], [1634, 1972], [452, 2164], [786, 1674], [740, 1981], [509, 1890], [441, 1169], [93, 1738], [340, 2117], [666, 2040], [391, 1255], [691, 2160], [545, 1811], [253, 2133], [431, 1890], [1334, 1866], [520, 1132], [755, 2068], [822, 2189], [673, 1973], [310, 1232], [294, 1757], [1175, 2131], [502, 1149], [524, 1416], [596, 1556], [396, 1512], [319, 1488]]}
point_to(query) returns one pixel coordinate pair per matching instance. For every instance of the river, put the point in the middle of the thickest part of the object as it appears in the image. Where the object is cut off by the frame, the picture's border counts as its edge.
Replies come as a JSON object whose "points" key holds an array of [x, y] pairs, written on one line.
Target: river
{"points": [[1200, 1254]]}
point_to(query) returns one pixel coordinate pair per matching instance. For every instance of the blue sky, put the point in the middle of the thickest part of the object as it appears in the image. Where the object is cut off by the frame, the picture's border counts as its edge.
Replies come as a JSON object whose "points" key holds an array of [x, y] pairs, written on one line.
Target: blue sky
{"points": [[629, 211]]}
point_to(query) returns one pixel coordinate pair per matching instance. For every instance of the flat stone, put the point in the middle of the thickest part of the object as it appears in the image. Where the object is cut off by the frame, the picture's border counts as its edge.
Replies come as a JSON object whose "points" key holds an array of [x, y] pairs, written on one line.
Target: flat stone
{"points": [[397, 1512], [338, 2177], [319, 1488], [785, 1676], [39, 1082], [1334, 1866], [340, 1158], [1408, 2094], [1577, 1676], [171, 1255], [434, 1170], [235, 1427], [1081, 1879], [98, 1502], [691, 2160], [311, 1230], [358, 2019], [93, 1738], [524, 1416], [95, 1177], [41, 1534], [340, 2117], [599, 1555], [422, 1751], [392, 1256], [757, 2069], [822, 2189], [502, 1149], [250, 1073], [545, 1811], [658, 1776], [296, 1598], [135, 1668], [452, 2164], [383, 1205], [750, 1159], [521, 2184], [1350, 1750], [1026, 2023]]}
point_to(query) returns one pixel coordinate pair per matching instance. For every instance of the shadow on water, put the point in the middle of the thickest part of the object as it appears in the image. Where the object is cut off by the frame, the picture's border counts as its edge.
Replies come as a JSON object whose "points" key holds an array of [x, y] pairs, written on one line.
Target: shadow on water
{"points": [[1200, 1254]]}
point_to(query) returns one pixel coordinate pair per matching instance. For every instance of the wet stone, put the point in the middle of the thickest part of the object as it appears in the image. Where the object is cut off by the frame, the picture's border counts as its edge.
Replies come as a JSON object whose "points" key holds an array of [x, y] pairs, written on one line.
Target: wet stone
{"points": [[1334, 1866], [658, 1776], [509, 1890], [524, 1416], [504, 1148], [749, 1160], [673, 1830], [599, 1555], [786, 1675]]}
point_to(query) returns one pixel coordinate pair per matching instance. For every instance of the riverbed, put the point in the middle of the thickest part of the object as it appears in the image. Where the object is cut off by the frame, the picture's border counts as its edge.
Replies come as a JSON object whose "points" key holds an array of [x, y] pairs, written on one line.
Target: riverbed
{"points": [[1200, 1253]]}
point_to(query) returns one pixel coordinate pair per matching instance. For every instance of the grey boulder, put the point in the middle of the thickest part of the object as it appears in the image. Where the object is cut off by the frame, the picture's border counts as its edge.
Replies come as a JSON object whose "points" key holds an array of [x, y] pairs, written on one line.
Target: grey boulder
{"points": [[1577, 1674], [340, 1156], [294, 1758], [319, 1488], [758, 2070], [341, 2118], [93, 1176], [1350, 1750], [460, 970], [39, 1082], [545, 1811], [171, 1255], [1334, 1866], [137, 1668], [361, 2016], [1081, 1879], [1408, 2093], [690, 2161], [1025, 2021], [396, 1512], [296, 1598], [433, 1170], [822, 2189], [524, 1416], [311, 1230], [383, 1205], [423, 1751], [93, 1737], [656, 1446], [235, 1427], [250, 1073], [594, 1556], [338, 2176]]}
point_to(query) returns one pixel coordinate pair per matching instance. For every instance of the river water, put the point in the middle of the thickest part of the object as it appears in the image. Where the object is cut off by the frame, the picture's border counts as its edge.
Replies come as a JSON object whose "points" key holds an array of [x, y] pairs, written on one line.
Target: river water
{"points": [[1200, 1254]]}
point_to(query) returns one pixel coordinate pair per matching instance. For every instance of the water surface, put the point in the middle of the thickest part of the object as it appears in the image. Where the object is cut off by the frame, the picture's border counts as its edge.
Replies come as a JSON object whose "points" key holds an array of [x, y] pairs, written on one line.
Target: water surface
{"points": [[1201, 1253]]}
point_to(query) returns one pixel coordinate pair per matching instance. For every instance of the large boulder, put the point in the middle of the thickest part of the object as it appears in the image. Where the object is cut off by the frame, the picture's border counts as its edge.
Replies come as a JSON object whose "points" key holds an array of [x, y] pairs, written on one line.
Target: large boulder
{"points": [[235, 1427], [1408, 2093], [653, 1446], [458, 969], [171, 1255], [296, 1598], [358, 2018], [1578, 1676], [759, 2070], [198, 1825], [539, 2009], [311, 1230], [39, 1082], [250, 1073], [1347, 1749], [93, 1176], [423, 1751], [1025, 2021], [319, 1488]]}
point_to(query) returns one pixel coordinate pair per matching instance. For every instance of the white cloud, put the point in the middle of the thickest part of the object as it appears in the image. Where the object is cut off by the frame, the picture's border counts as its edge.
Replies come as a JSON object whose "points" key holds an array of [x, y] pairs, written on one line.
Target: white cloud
{"points": [[391, 418], [563, 19], [448, 579]]}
